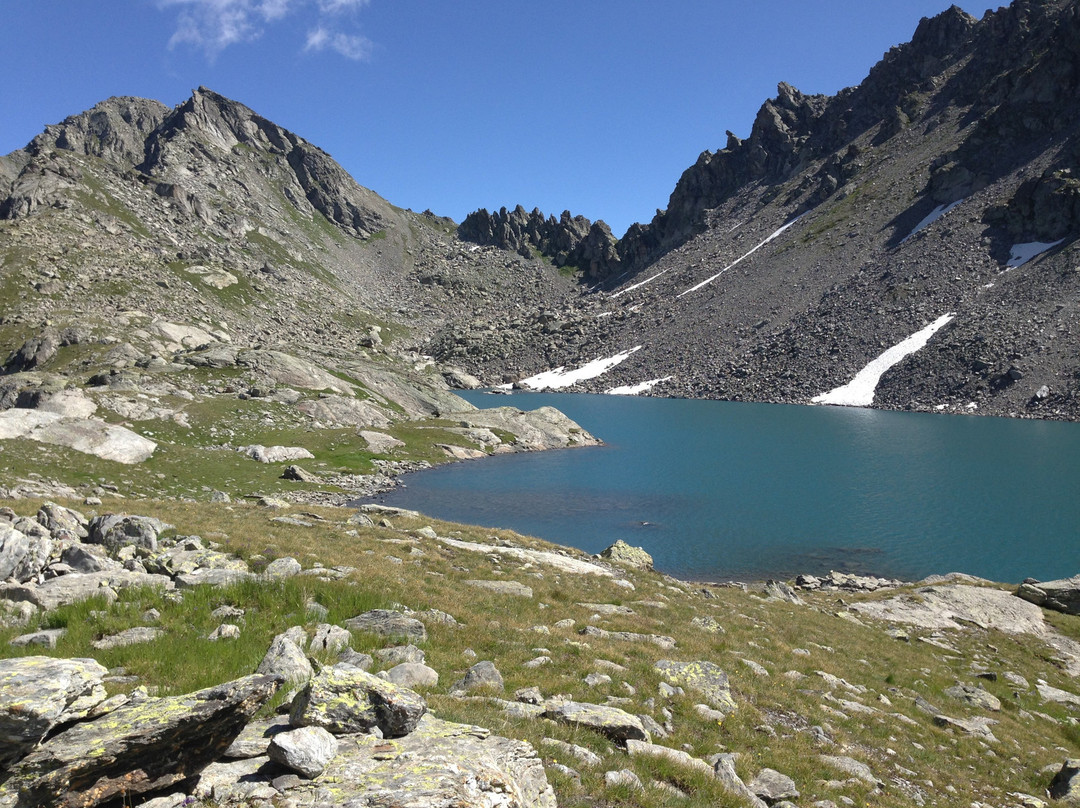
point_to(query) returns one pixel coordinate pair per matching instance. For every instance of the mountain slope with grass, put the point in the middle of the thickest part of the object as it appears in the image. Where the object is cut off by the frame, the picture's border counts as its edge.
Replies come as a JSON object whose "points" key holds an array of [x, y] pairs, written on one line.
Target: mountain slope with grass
{"points": [[183, 284]]}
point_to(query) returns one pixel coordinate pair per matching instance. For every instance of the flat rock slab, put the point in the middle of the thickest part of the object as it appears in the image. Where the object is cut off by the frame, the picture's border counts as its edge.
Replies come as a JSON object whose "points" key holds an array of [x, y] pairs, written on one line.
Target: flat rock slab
{"points": [[139, 747], [72, 588], [705, 677], [606, 608], [438, 765], [86, 435], [388, 623], [661, 640], [504, 587], [618, 725], [955, 605], [568, 564], [129, 636], [276, 454]]}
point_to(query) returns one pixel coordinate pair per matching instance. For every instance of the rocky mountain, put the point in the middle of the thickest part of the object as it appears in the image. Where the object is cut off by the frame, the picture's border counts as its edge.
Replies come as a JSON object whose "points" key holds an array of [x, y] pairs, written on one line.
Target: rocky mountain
{"points": [[200, 276], [944, 184]]}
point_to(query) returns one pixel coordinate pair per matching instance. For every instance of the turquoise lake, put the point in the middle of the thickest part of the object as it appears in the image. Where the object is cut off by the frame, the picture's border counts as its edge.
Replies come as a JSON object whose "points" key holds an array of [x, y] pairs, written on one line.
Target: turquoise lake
{"points": [[722, 490]]}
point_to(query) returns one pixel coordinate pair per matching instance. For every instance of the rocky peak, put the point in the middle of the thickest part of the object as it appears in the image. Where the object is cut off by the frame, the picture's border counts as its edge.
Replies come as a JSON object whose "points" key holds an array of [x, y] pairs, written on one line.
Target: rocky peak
{"points": [[569, 241], [115, 130]]}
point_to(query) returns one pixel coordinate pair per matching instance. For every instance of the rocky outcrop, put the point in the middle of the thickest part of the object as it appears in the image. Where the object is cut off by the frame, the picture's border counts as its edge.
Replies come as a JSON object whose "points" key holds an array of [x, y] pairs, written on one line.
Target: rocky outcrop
{"points": [[138, 747], [571, 241]]}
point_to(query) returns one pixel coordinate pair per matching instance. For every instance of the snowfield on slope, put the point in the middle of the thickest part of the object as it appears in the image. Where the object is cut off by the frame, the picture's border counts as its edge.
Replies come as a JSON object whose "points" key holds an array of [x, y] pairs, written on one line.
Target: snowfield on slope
{"points": [[635, 389], [560, 377], [859, 392], [741, 258]]}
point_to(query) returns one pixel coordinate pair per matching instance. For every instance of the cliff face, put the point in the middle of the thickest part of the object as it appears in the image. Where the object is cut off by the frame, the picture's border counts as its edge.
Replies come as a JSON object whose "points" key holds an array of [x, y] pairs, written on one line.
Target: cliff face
{"points": [[908, 197]]}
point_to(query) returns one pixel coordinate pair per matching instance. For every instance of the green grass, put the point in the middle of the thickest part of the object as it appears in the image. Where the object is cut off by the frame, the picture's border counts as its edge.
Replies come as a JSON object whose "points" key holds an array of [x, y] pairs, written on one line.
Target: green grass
{"points": [[769, 728]]}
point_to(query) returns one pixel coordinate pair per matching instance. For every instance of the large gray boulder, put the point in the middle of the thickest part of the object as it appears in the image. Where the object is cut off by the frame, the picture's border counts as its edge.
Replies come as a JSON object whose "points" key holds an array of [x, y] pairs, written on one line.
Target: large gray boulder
{"points": [[140, 747], [38, 693], [346, 699], [22, 557], [58, 519], [86, 435], [1062, 595], [306, 750], [116, 530], [388, 623], [622, 553], [285, 658], [481, 676]]}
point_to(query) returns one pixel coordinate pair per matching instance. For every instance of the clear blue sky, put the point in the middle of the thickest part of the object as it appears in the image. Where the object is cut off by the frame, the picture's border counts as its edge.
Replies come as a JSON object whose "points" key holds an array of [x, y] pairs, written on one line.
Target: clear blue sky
{"points": [[592, 105]]}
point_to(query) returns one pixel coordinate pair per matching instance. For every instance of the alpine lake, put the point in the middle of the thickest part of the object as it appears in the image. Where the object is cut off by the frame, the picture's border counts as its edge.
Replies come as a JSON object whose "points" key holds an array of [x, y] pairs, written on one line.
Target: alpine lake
{"points": [[734, 491]]}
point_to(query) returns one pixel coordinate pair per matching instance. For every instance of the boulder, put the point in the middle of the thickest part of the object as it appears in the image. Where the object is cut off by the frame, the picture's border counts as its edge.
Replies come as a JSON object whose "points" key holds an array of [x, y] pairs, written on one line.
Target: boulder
{"points": [[88, 558], [276, 454], [345, 700], [22, 557], [388, 623], [622, 553], [306, 750], [140, 747], [129, 636], [481, 676], [380, 442], [618, 725], [116, 530], [724, 771], [705, 677], [661, 640], [329, 639], [412, 674], [57, 518], [86, 435], [773, 787], [975, 696], [285, 658], [38, 693], [1062, 595], [284, 567], [1066, 783]]}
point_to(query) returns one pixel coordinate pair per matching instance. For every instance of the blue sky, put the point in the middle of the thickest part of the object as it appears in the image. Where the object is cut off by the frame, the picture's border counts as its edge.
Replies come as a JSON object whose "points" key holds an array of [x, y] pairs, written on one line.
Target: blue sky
{"points": [[592, 105]]}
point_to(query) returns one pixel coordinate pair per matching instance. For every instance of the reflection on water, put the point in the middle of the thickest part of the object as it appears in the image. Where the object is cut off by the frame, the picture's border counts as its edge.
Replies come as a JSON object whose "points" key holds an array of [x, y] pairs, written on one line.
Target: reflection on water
{"points": [[717, 490]]}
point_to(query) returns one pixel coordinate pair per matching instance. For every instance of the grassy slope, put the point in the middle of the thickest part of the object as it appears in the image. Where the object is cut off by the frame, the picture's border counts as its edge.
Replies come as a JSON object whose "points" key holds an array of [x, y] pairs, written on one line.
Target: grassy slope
{"points": [[395, 566]]}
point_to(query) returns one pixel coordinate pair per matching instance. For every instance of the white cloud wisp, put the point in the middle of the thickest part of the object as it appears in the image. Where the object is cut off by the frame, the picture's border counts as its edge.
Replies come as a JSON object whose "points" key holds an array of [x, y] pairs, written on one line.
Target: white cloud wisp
{"points": [[213, 25]]}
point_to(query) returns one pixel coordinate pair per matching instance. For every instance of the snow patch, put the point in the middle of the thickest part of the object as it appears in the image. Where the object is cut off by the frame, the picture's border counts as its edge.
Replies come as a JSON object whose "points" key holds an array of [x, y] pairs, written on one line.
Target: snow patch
{"points": [[859, 392], [1022, 253], [773, 235], [636, 389], [931, 217], [638, 285], [560, 377]]}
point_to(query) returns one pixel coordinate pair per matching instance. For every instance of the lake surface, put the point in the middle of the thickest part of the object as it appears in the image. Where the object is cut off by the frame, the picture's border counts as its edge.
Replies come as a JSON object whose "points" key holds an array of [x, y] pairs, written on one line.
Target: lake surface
{"points": [[723, 490]]}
